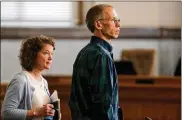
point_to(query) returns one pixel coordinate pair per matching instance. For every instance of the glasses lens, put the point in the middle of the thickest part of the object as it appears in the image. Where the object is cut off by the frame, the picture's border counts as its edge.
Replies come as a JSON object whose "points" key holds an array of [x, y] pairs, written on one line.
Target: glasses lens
{"points": [[117, 20]]}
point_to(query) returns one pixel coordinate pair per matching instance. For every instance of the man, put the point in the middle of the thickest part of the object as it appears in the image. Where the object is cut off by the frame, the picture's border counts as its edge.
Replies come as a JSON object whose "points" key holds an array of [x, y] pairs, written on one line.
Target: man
{"points": [[94, 90]]}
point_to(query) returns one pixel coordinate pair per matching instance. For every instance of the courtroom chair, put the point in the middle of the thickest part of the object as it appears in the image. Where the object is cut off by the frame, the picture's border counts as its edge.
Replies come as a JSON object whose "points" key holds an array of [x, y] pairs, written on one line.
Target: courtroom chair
{"points": [[177, 71], [124, 67], [144, 60]]}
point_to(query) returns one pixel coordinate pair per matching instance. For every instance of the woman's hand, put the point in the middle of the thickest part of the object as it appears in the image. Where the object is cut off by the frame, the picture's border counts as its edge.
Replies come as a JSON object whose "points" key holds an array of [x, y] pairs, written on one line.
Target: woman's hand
{"points": [[46, 110]]}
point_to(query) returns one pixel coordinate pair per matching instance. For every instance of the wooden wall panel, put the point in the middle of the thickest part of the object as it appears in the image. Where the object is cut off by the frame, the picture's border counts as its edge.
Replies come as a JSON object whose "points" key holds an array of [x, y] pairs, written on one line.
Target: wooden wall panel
{"points": [[160, 99]]}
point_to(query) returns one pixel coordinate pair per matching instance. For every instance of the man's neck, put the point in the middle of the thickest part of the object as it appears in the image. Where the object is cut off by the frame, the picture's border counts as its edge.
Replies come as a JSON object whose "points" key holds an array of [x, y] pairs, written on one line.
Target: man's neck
{"points": [[103, 37]]}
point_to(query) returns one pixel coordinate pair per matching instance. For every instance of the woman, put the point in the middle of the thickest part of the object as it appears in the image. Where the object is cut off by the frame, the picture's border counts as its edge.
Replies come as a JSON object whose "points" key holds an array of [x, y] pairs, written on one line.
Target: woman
{"points": [[27, 95]]}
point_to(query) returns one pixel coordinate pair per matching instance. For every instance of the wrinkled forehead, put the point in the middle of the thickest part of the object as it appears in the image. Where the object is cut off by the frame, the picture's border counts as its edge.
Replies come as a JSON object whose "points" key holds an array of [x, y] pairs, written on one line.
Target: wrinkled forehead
{"points": [[109, 12]]}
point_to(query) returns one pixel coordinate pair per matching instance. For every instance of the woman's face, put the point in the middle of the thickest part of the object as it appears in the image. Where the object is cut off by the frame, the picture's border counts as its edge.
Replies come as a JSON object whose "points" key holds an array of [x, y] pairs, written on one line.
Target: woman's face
{"points": [[44, 57]]}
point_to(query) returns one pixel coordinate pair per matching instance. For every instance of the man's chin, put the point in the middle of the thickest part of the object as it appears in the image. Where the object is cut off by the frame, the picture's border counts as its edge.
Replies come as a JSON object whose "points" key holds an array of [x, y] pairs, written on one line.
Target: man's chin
{"points": [[115, 37], [48, 67]]}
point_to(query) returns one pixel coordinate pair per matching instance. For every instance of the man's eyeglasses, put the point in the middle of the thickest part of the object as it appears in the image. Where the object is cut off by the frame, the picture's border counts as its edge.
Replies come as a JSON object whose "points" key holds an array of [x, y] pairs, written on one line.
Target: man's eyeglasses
{"points": [[115, 20]]}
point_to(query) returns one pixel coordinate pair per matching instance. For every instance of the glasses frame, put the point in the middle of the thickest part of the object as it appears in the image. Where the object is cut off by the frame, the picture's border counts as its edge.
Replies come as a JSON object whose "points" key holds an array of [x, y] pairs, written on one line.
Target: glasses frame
{"points": [[115, 20]]}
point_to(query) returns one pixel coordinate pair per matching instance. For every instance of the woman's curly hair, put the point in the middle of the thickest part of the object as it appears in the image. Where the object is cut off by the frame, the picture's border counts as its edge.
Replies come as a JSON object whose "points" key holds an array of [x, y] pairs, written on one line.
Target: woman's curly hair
{"points": [[30, 48]]}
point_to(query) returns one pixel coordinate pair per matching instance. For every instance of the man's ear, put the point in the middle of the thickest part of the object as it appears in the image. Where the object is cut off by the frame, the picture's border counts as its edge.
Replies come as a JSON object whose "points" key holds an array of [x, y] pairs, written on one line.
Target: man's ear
{"points": [[98, 25]]}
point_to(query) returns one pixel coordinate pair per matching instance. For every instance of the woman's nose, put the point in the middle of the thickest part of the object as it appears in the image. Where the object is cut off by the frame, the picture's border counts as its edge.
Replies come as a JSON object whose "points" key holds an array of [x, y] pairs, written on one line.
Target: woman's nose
{"points": [[50, 57]]}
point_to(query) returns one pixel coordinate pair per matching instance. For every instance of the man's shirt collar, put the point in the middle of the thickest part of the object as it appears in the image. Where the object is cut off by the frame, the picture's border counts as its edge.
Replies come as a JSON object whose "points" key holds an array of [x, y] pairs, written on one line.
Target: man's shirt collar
{"points": [[102, 42]]}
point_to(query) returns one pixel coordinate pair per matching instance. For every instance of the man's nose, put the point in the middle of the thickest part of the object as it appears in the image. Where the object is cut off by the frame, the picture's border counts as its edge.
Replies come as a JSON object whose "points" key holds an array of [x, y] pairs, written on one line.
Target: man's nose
{"points": [[117, 24]]}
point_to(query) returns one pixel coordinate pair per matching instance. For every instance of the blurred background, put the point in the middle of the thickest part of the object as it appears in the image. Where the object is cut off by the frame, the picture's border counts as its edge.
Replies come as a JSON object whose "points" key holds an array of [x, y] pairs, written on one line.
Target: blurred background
{"points": [[147, 53], [144, 25]]}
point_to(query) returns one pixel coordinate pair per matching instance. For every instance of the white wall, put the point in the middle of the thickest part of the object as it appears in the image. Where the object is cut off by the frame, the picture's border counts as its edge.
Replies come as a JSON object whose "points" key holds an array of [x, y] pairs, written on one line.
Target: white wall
{"points": [[168, 51], [145, 13]]}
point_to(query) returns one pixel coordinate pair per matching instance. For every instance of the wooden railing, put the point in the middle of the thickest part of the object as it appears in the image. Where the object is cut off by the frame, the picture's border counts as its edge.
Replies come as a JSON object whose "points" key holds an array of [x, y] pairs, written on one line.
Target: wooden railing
{"points": [[140, 96]]}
